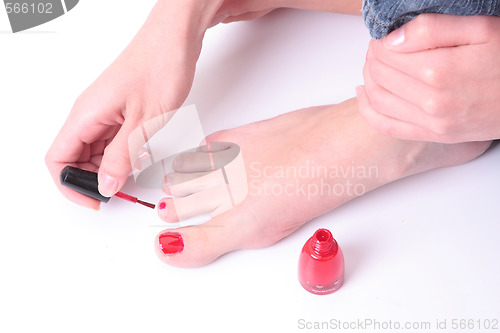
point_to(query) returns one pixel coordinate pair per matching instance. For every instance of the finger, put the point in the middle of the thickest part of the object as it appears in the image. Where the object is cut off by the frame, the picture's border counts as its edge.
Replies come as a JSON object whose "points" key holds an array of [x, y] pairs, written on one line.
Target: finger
{"points": [[70, 147], [213, 156], [431, 31], [55, 169], [116, 164], [393, 95], [126, 149], [430, 102], [393, 127], [434, 68], [199, 245], [183, 184], [55, 166], [212, 201]]}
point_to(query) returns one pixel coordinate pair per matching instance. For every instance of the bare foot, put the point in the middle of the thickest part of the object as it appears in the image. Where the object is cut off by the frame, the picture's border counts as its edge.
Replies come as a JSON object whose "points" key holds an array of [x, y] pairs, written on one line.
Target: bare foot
{"points": [[299, 165]]}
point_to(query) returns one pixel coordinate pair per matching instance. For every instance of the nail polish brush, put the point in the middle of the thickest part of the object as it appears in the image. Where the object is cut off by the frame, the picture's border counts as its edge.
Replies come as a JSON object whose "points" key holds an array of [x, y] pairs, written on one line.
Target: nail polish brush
{"points": [[85, 182]]}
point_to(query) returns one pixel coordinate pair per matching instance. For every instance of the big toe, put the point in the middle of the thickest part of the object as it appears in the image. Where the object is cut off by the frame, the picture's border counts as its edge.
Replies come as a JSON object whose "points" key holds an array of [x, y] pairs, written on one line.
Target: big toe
{"points": [[199, 245]]}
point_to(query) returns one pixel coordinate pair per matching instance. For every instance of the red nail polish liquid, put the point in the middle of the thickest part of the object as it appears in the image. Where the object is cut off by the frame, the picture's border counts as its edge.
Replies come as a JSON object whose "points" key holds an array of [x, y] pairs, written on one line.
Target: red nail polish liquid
{"points": [[170, 242], [321, 264]]}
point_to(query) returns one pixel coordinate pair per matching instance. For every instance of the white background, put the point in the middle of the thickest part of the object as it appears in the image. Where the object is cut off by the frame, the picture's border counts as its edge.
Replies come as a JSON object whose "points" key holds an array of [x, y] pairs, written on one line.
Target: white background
{"points": [[419, 250]]}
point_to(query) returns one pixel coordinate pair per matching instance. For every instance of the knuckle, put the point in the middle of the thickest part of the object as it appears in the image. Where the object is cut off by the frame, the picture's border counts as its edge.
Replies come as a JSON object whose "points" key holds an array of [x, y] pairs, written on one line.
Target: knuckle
{"points": [[424, 26], [438, 104], [433, 76], [442, 127], [113, 153], [487, 27], [432, 106]]}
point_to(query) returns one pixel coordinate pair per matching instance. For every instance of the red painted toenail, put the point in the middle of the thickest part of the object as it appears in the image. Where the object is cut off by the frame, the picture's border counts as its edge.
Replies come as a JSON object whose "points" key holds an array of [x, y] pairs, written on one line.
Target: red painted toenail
{"points": [[170, 242], [162, 205]]}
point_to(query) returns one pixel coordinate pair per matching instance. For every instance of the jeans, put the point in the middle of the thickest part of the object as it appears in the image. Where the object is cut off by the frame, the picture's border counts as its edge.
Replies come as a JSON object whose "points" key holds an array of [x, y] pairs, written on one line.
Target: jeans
{"points": [[383, 16]]}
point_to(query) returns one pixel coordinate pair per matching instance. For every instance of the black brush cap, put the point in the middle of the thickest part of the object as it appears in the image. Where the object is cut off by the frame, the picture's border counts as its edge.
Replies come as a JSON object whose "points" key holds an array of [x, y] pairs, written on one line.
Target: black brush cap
{"points": [[82, 181]]}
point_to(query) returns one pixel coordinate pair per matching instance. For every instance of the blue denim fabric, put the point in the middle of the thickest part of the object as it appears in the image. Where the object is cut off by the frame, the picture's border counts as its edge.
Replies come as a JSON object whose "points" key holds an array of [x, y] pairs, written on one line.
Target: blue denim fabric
{"points": [[384, 16]]}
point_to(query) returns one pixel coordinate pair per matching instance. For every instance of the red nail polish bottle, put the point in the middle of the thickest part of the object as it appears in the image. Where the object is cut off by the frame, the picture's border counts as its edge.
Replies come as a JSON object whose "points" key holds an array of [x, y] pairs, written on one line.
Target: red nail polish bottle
{"points": [[321, 264]]}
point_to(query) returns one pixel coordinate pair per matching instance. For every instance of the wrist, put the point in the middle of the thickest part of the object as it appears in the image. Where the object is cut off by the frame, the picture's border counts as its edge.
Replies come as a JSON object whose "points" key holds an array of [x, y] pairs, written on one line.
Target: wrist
{"points": [[189, 19], [174, 30]]}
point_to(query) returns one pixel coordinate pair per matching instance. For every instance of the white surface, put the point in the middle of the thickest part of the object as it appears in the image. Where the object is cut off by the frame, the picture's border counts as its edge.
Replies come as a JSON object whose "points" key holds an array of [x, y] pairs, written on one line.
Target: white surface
{"points": [[419, 250]]}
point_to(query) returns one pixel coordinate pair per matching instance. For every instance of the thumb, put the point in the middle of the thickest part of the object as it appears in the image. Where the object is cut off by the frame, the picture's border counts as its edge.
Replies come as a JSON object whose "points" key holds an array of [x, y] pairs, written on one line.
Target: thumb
{"points": [[115, 165], [431, 31], [126, 149]]}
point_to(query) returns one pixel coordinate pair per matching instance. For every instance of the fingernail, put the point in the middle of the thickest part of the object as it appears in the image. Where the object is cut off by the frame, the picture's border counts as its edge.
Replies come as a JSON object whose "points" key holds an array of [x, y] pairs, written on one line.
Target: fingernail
{"points": [[143, 159], [108, 185], [170, 242], [395, 38], [143, 154]]}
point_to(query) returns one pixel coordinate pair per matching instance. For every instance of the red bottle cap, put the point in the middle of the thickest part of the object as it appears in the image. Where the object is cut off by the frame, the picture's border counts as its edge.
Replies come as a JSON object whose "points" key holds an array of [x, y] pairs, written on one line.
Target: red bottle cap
{"points": [[321, 264]]}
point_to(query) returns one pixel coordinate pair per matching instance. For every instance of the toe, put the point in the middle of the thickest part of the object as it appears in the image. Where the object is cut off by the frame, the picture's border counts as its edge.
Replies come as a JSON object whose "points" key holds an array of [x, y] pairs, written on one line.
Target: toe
{"points": [[183, 184], [212, 201], [199, 245]]}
